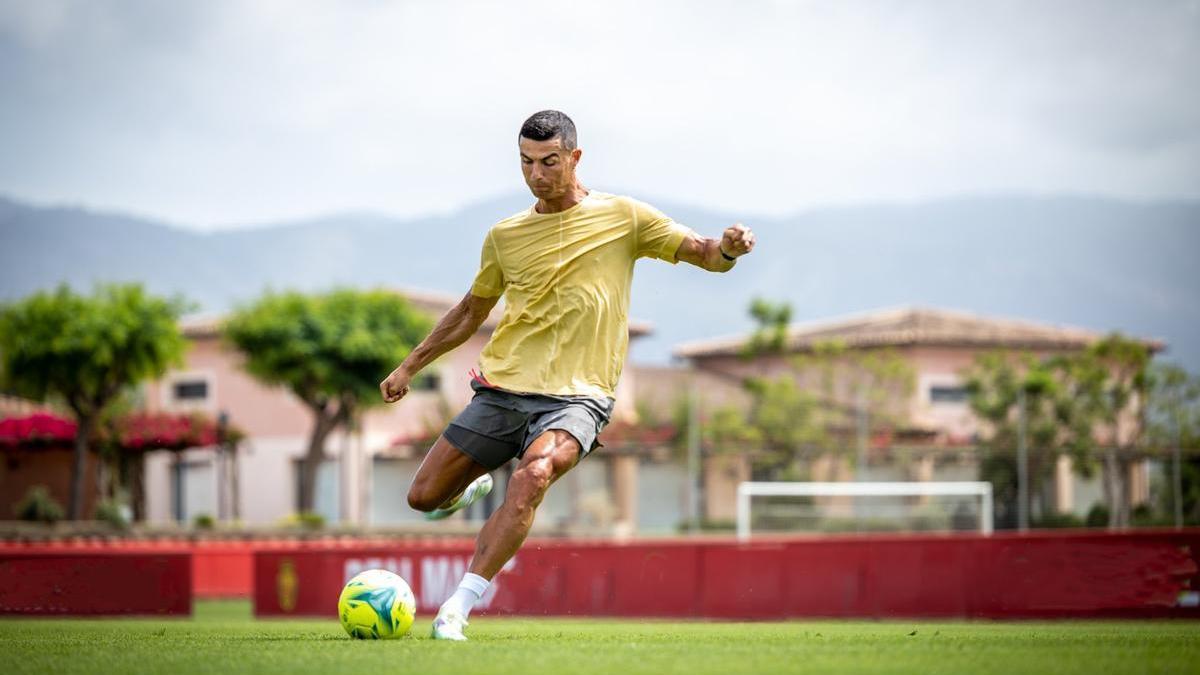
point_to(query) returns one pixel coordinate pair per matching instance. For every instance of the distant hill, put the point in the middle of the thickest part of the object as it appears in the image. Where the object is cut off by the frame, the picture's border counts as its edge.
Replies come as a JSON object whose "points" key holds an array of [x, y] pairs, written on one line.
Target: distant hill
{"points": [[1090, 262]]}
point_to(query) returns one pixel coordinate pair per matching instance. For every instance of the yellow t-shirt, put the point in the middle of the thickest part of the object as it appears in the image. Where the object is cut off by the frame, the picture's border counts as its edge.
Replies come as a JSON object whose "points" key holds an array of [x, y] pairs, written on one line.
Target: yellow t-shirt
{"points": [[565, 278]]}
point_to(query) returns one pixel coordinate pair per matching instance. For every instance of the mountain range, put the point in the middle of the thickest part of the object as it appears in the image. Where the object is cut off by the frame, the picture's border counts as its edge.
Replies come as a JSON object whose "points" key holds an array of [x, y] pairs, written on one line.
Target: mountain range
{"points": [[1074, 260]]}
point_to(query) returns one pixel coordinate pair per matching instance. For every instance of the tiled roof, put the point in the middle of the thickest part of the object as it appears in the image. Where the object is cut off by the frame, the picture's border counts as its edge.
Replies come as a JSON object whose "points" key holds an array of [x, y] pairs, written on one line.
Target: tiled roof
{"points": [[912, 326]]}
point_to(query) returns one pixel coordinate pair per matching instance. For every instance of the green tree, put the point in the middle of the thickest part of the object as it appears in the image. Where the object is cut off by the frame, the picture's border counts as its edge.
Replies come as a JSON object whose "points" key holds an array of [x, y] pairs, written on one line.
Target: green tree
{"points": [[1113, 380], [770, 334], [1088, 405], [330, 350], [1054, 425], [86, 350], [862, 389], [812, 402], [1173, 408], [1173, 430], [781, 426]]}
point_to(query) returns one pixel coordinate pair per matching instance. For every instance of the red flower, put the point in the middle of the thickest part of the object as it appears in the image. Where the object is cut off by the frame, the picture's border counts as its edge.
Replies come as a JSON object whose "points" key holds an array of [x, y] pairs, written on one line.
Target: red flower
{"points": [[136, 432], [164, 431], [38, 429]]}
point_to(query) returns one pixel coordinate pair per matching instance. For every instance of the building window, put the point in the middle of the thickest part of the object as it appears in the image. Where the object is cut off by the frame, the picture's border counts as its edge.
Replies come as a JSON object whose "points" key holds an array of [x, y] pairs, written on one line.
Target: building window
{"points": [[190, 390], [948, 394], [427, 382]]}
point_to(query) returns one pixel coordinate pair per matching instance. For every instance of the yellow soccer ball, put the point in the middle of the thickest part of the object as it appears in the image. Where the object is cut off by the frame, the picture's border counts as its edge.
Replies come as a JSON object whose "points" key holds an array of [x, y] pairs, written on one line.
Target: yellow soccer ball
{"points": [[377, 605]]}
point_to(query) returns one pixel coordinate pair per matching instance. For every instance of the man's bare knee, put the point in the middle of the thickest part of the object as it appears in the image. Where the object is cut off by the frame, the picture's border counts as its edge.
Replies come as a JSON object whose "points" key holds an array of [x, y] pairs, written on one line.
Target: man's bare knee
{"points": [[418, 502], [529, 483], [443, 474], [541, 466], [422, 500]]}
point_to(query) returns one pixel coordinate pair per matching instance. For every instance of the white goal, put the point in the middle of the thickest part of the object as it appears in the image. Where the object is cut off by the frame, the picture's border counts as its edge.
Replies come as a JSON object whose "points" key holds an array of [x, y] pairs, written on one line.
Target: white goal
{"points": [[864, 506]]}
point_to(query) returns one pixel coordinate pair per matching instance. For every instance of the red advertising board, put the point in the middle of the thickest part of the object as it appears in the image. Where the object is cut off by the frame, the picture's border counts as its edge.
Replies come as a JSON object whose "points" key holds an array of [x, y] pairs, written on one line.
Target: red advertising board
{"points": [[1003, 576], [223, 569], [65, 582]]}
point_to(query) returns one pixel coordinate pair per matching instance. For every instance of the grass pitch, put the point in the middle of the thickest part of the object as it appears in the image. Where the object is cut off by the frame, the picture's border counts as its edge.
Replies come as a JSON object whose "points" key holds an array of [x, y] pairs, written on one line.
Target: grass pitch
{"points": [[223, 638]]}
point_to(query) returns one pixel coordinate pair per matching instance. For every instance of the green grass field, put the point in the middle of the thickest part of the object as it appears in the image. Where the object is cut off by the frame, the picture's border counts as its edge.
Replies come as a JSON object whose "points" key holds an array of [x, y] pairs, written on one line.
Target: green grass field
{"points": [[223, 638]]}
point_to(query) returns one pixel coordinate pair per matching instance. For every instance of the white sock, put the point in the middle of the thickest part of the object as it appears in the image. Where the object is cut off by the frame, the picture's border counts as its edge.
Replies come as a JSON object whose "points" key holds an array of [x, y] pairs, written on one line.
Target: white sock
{"points": [[470, 589]]}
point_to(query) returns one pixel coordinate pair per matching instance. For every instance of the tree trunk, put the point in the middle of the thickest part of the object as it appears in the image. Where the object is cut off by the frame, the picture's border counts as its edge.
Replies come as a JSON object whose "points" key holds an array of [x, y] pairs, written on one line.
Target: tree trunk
{"points": [[104, 479], [1125, 504], [234, 480], [83, 433], [1116, 489], [1033, 488], [324, 424], [136, 481], [1107, 471]]}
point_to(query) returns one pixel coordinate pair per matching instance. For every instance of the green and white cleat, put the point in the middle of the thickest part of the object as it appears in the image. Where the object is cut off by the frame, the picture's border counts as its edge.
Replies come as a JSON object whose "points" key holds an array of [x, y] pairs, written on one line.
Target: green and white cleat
{"points": [[478, 489], [449, 626]]}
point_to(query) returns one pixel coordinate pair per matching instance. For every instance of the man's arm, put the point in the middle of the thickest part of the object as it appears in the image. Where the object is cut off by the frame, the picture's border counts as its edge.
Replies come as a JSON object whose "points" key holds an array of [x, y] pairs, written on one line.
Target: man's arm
{"points": [[459, 324], [706, 252]]}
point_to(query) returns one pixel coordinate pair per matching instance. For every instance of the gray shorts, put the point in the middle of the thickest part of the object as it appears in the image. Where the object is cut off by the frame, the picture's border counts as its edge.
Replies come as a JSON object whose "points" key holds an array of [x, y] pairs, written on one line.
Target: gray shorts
{"points": [[498, 425]]}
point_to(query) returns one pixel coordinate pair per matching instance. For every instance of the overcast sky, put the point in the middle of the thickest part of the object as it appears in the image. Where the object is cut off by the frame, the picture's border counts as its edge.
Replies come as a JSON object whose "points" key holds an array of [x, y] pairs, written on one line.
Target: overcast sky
{"points": [[212, 113]]}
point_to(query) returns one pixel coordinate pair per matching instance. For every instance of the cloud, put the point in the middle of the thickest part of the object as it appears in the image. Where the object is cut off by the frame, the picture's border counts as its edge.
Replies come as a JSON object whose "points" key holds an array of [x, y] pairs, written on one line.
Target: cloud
{"points": [[225, 112]]}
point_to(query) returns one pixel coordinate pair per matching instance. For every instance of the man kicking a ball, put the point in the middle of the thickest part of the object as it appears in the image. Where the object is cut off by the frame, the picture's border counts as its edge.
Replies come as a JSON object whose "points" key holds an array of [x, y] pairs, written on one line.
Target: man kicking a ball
{"points": [[548, 373]]}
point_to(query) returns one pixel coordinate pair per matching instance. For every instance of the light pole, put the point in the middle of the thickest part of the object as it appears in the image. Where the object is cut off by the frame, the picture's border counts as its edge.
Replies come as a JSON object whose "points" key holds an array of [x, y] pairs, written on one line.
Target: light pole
{"points": [[1022, 465], [222, 467], [1178, 480], [860, 470], [693, 459]]}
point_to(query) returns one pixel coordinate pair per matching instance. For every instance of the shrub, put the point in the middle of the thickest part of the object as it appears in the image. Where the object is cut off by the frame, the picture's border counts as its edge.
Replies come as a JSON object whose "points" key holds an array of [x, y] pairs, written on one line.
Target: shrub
{"points": [[1097, 516], [1144, 515], [307, 520], [706, 525], [38, 506], [310, 520], [204, 521], [1059, 520], [111, 511]]}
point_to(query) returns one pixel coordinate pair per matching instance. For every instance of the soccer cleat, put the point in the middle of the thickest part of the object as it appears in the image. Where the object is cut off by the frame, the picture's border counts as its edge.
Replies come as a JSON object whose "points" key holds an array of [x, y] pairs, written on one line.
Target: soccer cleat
{"points": [[478, 489], [449, 626]]}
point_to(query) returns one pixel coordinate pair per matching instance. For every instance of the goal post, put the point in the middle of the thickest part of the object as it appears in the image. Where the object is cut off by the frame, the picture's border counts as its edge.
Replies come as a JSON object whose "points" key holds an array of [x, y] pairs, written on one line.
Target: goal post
{"points": [[749, 489]]}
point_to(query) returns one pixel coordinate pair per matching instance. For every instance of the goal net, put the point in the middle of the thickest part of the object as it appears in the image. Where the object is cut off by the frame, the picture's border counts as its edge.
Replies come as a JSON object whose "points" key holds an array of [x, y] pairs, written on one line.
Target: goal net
{"points": [[779, 507]]}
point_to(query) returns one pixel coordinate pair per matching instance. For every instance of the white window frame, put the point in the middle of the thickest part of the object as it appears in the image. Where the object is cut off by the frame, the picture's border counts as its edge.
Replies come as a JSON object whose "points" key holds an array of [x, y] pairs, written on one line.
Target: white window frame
{"points": [[928, 382], [207, 404]]}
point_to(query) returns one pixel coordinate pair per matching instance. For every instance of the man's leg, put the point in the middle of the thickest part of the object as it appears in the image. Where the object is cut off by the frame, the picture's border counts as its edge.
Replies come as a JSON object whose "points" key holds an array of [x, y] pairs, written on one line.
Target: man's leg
{"points": [[549, 456], [444, 473]]}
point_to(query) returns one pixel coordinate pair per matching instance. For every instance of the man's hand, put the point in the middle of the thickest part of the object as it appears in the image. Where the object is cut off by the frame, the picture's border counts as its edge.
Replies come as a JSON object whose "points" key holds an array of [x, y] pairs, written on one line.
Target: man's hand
{"points": [[461, 322], [737, 240], [706, 252], [395, 386]]}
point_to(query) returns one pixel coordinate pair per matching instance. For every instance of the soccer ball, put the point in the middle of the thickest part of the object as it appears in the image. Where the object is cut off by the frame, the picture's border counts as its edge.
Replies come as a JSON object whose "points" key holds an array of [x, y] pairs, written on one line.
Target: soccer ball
{"points": [[377, 605]]}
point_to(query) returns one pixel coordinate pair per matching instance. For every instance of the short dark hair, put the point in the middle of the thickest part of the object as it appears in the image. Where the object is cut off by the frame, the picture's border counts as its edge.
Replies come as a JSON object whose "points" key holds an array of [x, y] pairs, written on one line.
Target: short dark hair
{"points": [[544, 125]]}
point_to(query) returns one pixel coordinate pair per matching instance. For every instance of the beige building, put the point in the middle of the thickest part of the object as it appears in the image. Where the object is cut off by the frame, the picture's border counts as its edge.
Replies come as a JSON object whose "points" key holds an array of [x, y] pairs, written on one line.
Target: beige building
{"points": [[638, 481], [936, 435], [366, 477]]}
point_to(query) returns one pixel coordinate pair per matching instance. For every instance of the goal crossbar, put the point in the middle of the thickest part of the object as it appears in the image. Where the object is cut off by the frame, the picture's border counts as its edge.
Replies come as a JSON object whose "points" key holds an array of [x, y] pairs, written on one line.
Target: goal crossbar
{"points": [[749, 489]]}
